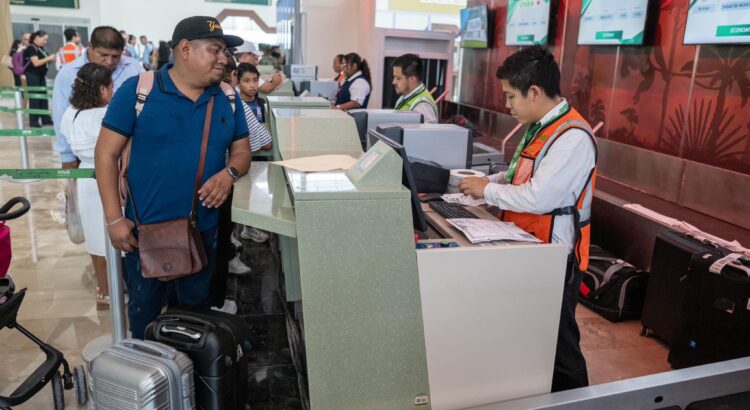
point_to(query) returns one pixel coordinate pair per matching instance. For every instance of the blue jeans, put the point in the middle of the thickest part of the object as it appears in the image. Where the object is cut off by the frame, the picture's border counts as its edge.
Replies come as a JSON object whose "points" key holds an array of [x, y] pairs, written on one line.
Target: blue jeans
{"points": [[146, 297]]}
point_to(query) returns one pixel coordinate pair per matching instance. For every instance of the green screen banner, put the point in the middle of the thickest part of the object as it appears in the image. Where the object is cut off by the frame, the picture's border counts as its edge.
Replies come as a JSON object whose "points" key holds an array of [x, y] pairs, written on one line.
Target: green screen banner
{"points": [[63, 4], [47, 173], [253, 2]]}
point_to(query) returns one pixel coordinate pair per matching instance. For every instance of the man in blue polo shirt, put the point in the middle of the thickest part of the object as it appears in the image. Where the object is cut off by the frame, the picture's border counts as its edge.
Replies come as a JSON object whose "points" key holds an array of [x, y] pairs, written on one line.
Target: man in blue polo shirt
{"points": [[166, 143], [105, 48]]}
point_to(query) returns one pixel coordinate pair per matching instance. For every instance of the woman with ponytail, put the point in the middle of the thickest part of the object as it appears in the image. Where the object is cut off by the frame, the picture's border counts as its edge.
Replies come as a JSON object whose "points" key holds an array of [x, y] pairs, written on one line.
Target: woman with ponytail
{"points": [[36, 59], [355, 91], [81, 123]]}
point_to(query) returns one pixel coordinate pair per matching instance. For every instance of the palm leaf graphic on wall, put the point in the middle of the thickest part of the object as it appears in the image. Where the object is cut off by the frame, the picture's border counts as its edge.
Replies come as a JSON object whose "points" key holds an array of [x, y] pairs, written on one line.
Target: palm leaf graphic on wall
{"points": [[696, 133], [710, 133], [655, 63]]}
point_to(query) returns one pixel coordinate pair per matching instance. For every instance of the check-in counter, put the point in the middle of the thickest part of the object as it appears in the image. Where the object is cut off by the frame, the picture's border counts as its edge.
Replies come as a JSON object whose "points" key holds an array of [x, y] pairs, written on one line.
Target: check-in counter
{"points": [[387, 326], [286, 102], [297, 102], [306, 132], [289, 103], [357, 280], [285, 89]]}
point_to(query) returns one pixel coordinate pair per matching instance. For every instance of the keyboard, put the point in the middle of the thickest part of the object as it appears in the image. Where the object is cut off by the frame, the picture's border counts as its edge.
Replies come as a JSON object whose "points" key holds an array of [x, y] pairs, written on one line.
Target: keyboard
{"points": [[451, 211]]}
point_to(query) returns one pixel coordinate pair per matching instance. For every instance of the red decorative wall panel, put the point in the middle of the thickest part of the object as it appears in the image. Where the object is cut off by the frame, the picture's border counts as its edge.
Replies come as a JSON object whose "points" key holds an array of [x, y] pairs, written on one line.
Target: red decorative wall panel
{"points": [[683, 100]]}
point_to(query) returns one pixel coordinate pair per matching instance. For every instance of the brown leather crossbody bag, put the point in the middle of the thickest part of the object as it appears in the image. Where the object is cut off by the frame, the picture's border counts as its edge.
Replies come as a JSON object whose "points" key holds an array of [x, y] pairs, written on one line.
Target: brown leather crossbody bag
{"points": [[173, 249]]}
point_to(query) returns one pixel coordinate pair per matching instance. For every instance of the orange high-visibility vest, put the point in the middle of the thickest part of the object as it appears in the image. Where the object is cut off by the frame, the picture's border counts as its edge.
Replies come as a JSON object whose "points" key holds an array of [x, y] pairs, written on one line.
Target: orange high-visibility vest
{"points": [[70, 52], [541, 225]]}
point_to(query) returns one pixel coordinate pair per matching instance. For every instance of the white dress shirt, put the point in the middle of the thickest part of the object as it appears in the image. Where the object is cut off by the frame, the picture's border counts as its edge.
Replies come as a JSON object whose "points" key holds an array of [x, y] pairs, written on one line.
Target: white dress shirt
{"points": [[557, 182], [359, 90]]}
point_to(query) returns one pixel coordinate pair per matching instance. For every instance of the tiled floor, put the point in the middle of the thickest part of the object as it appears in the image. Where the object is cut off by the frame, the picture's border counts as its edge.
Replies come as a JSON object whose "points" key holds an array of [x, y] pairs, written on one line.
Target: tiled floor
{"points": [[616, 351], [60, 309]]}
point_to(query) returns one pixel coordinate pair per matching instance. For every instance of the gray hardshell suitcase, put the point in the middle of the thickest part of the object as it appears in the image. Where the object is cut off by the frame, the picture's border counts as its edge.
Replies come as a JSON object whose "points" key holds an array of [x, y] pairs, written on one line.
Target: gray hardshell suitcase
{"points": [[136, 374]]}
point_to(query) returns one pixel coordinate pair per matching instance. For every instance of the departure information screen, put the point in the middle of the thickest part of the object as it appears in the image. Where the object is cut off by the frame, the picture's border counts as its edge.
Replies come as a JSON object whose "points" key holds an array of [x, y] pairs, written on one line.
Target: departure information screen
{"points": [[718, 22], [475, 27], [527, 22], [615, 22]]}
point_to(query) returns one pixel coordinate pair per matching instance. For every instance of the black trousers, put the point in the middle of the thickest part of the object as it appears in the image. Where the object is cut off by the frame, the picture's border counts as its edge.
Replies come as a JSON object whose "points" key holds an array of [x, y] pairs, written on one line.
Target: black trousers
{"points": [[43, 104], [570, 366], [224, 253]]}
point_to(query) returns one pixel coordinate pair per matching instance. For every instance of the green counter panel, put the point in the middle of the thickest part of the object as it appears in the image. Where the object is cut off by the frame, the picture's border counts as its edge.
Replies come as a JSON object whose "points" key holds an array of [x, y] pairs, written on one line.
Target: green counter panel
{"points": [[360, 293]]}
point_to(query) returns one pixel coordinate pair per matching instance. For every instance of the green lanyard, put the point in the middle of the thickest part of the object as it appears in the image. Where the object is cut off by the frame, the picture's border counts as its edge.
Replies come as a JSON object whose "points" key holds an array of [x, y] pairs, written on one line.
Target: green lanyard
{"points": [[528, 136]]}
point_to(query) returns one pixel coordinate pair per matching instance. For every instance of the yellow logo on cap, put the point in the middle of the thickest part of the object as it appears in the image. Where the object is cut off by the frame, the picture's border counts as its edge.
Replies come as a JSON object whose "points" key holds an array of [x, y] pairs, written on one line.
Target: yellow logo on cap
{"points": [[213, 25]]}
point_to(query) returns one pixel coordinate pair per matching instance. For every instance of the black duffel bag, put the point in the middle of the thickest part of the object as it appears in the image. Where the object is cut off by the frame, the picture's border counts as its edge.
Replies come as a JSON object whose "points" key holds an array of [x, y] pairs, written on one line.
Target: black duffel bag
{"points": [[612, 287]]}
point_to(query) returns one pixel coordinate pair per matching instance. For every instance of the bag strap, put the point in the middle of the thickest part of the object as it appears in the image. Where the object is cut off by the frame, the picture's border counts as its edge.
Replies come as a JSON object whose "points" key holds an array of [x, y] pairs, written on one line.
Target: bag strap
{"points": [[132, 202], [614, 269], [142, 90], [202, 161]]}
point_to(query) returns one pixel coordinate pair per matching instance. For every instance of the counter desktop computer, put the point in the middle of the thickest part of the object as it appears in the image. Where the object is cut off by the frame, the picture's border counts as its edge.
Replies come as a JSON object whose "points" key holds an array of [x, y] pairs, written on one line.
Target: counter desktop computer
{"points": [[446, 145], [407, 180], [370, 119], [300, 72], [320, 88]]}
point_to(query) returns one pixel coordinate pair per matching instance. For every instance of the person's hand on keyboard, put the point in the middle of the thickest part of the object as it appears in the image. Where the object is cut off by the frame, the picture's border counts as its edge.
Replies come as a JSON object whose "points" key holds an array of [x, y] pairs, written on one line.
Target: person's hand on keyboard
{"points": [[474, 186]]}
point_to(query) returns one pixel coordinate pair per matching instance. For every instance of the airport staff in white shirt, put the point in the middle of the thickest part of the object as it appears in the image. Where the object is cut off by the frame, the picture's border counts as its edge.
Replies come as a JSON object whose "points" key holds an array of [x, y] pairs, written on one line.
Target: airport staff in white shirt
{"points": [[355, 91], [548, 188]]}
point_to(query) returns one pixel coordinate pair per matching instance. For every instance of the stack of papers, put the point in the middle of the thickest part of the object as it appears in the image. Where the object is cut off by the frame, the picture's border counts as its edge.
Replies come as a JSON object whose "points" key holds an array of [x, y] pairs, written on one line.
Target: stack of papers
{"points": [[483, 230], [685, 227], [465, 200]]}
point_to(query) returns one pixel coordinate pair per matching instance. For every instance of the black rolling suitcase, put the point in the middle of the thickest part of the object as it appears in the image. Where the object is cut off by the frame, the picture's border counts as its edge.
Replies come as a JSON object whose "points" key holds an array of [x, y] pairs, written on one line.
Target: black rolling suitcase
{"points": [[218, 344], [666, 282], [715, 321], [612, 287]]}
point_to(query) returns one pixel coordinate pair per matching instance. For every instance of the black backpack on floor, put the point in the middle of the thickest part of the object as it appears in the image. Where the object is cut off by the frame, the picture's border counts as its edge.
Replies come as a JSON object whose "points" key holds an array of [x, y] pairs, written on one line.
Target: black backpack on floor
{"points": [[612, 287]]}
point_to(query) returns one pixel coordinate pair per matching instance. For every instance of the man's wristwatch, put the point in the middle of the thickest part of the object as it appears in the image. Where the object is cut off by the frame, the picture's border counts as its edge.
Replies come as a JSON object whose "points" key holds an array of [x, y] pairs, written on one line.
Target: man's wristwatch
{"points": [[233, 172]]}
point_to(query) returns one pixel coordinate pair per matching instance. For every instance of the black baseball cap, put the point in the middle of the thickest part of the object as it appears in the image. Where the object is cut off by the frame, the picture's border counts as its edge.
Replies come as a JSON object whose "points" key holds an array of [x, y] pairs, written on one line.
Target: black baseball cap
{"points": [[196, 27]]}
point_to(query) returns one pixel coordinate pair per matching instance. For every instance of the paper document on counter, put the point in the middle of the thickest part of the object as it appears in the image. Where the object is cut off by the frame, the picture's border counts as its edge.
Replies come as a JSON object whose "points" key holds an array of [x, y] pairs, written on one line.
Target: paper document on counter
{"points": [[320, 163], [461, 199], [483, 230]]}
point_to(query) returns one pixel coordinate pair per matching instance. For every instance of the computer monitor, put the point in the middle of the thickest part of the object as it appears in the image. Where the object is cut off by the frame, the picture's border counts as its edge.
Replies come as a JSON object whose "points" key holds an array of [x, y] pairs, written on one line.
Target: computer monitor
{"points": [[418, 219], [320, 88], [370, 119], [448, 145], [301, 72]]}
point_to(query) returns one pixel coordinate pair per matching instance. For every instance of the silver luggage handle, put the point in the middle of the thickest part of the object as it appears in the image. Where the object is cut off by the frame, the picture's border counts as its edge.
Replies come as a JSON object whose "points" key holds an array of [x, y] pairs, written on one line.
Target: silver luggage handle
{"points": [[181, 330], [151, 347]]}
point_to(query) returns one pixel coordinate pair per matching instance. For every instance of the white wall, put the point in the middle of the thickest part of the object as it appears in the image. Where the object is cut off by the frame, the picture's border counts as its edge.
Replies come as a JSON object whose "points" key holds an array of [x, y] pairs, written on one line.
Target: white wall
{"points": [[89, 10], [329, 27], [154, 18], [333, 27]]}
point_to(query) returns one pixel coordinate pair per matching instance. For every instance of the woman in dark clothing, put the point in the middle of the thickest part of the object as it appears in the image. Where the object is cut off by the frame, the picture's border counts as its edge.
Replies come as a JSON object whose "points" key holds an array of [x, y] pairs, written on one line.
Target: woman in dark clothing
{"points": [[13, 50], [36, 75]]}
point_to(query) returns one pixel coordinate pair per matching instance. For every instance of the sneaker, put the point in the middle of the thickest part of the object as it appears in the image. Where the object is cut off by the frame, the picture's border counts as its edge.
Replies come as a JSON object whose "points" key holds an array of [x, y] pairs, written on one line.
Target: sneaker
{"points": [[229, 306], [237, 267], [255, 235], [235, 242]]}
